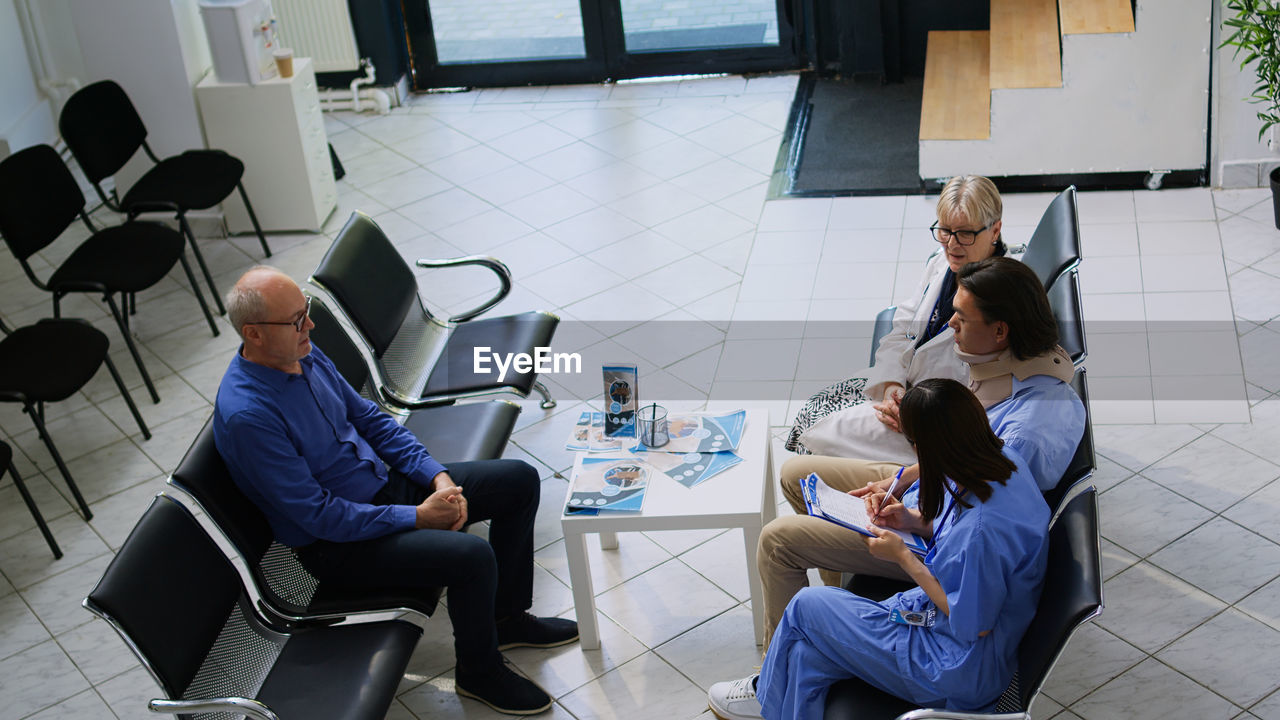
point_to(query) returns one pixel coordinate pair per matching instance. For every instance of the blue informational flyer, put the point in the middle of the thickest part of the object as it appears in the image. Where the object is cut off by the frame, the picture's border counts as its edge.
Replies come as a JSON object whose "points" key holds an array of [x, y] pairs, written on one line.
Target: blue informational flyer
{"points": [[689, 469], [700, 433], [608, 484]]}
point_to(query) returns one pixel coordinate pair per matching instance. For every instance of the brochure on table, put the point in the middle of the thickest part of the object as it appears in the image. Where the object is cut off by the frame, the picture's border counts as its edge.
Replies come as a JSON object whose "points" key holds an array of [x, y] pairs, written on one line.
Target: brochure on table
{"points": [[608, 483], [824, 501], [689, 469], [588, 435]]}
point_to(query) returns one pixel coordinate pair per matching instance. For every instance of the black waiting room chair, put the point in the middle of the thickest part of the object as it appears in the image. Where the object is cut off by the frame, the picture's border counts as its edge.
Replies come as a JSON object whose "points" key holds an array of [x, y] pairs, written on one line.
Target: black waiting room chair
{"points": [[104, 131], [1054, 246], [179, 604], [40, 199], [1072, 595], [1068, 308], [421, 359], [6, 464], [452, 433], [463, 431], [48, 362], [284, 587]]}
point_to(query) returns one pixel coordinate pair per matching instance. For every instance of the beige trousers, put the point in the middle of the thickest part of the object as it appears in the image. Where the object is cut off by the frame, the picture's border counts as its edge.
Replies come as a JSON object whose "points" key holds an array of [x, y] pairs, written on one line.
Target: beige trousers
{"points": [[792, 544]]}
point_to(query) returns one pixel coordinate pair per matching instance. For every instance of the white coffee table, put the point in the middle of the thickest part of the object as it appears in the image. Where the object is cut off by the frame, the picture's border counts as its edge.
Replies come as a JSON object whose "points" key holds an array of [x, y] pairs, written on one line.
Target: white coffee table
{"points": [[740, 497]]}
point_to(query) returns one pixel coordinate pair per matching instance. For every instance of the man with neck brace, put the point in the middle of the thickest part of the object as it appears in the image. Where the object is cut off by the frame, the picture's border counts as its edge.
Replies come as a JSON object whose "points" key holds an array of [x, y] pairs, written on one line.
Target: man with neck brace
{"points": [[1006, 333]]}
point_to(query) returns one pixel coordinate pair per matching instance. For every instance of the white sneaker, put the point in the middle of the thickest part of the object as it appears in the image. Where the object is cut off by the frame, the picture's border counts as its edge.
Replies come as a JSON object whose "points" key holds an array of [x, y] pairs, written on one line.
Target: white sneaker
{"points": [[735, 700]]}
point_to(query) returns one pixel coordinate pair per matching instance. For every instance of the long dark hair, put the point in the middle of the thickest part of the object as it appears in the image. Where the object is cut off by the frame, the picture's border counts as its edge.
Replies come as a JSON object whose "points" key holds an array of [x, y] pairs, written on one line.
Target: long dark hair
{"points": [[1007, 291], [953, 439]]}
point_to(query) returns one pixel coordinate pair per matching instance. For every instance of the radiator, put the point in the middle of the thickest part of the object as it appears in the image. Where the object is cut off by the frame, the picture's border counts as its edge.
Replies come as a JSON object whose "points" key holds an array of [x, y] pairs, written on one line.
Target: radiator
{"points": [[320, 30]]}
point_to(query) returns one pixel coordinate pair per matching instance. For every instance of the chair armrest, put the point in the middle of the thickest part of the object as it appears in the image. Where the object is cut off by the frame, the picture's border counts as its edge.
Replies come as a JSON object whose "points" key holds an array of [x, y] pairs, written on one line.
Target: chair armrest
{"points": [[235, 705], [504, 277]]}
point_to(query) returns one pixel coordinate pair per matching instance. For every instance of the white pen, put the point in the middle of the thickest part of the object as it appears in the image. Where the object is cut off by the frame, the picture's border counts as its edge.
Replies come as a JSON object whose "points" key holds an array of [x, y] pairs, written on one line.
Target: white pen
{"points": [[892, 486]]}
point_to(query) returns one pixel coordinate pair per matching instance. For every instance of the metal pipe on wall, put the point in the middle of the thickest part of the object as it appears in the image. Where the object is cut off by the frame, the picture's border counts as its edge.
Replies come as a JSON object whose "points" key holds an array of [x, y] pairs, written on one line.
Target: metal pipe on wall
{"points": [[56, 89]]}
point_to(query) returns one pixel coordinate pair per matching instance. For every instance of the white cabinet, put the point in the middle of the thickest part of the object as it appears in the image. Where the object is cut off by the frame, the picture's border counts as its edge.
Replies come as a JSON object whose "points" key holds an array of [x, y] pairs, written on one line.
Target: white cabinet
{"points": [[276, 129]]}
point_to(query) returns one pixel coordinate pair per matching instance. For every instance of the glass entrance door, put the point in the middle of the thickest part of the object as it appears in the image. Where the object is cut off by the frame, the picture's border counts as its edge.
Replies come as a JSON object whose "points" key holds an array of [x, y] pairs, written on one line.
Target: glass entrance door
{"points": [[513, 42]]}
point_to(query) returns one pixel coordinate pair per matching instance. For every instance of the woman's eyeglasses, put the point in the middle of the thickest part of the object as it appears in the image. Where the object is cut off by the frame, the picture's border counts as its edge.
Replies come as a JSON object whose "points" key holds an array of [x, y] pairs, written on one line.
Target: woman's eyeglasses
{"points": [[964, 237]]}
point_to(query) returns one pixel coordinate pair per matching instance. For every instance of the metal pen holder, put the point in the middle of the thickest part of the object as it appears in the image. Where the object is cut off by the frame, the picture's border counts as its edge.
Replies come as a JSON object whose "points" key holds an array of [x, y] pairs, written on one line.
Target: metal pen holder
{"points": [[651, 423]]}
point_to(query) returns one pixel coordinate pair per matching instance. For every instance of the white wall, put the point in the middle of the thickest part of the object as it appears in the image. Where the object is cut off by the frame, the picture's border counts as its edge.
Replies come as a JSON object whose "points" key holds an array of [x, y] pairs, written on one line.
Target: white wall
{"points": [[157, 51], [26, 116], [1239, 158]]}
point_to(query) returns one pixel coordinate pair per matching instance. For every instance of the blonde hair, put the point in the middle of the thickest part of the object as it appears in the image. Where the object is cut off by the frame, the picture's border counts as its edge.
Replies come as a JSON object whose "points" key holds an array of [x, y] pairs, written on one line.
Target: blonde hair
{"points": [[974, 196]]}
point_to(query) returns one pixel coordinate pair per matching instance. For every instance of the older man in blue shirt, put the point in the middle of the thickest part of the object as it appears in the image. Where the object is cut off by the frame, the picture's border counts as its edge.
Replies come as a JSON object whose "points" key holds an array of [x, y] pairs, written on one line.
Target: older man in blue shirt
{"points": [[364, 504]]}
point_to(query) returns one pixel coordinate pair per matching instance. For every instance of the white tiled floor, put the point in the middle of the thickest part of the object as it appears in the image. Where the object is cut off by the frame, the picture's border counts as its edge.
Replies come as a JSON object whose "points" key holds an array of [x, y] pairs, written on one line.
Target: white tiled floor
{"points": [[617, 205]]}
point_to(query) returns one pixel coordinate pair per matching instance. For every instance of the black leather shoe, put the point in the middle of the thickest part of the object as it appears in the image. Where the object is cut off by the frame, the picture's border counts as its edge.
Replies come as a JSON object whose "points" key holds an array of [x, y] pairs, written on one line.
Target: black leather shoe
{"points": [[525, 630], [504, 691]]}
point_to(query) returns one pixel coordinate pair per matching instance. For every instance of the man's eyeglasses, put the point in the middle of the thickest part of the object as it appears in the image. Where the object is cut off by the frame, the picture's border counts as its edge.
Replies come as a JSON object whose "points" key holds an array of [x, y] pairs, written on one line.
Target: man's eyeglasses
{"points": [[964, 237], [297, 324]]}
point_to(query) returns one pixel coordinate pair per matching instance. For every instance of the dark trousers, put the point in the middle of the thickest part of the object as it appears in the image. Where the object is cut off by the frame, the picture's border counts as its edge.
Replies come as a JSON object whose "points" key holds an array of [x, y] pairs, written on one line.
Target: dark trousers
{"points": [[485, 580]]}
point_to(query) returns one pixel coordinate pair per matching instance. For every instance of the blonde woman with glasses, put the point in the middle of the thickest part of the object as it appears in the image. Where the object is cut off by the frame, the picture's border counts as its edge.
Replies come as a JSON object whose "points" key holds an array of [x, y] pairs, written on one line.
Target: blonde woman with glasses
{"points": [[858, 417]]}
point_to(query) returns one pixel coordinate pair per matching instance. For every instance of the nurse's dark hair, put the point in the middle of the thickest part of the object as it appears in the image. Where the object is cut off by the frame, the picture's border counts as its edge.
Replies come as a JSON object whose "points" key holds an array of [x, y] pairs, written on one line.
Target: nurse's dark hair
{"points": [[1007, 291], [953, 439]]}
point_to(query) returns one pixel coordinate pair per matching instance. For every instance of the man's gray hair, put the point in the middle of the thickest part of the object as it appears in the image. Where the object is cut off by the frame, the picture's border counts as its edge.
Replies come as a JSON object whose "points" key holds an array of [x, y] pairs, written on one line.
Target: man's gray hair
{"points": [[245, 303]]}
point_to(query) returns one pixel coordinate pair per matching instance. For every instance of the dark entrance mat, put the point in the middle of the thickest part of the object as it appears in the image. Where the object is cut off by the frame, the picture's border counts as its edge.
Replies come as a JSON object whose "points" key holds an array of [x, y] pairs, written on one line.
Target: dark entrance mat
{"points": [[850, 136]]}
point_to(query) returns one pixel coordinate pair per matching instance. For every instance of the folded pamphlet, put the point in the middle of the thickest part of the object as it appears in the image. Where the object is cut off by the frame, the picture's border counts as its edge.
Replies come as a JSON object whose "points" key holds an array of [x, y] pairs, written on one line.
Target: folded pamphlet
{"points": [[608, 483], [689, 469]]}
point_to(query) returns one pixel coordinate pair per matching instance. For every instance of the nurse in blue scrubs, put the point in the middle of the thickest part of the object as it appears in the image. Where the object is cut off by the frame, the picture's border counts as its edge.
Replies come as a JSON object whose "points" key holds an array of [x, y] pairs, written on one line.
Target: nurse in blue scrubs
{"points": [[951, 642]]}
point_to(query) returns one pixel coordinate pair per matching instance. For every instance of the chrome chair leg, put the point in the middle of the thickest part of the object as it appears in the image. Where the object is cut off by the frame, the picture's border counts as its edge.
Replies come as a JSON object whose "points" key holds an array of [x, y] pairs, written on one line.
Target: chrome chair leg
{"points": [[548, 402]]}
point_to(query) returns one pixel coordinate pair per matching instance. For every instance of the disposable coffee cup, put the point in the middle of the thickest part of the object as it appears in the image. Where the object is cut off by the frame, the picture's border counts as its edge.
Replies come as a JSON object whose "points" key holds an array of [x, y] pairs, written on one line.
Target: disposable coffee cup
{"points": [[284, 62], [652, 420]]}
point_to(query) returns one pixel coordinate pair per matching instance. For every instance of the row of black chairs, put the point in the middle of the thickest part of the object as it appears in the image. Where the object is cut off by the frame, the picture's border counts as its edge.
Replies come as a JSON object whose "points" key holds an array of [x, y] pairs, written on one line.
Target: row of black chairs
{"points": [[215, 645], [40, 200]]}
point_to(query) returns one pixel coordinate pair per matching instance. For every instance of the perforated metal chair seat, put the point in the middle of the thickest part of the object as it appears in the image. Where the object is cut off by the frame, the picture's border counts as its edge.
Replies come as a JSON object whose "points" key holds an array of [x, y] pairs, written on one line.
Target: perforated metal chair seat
{"points": [[348, 671], [193, 180], [464, 432], [455, 372]]}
